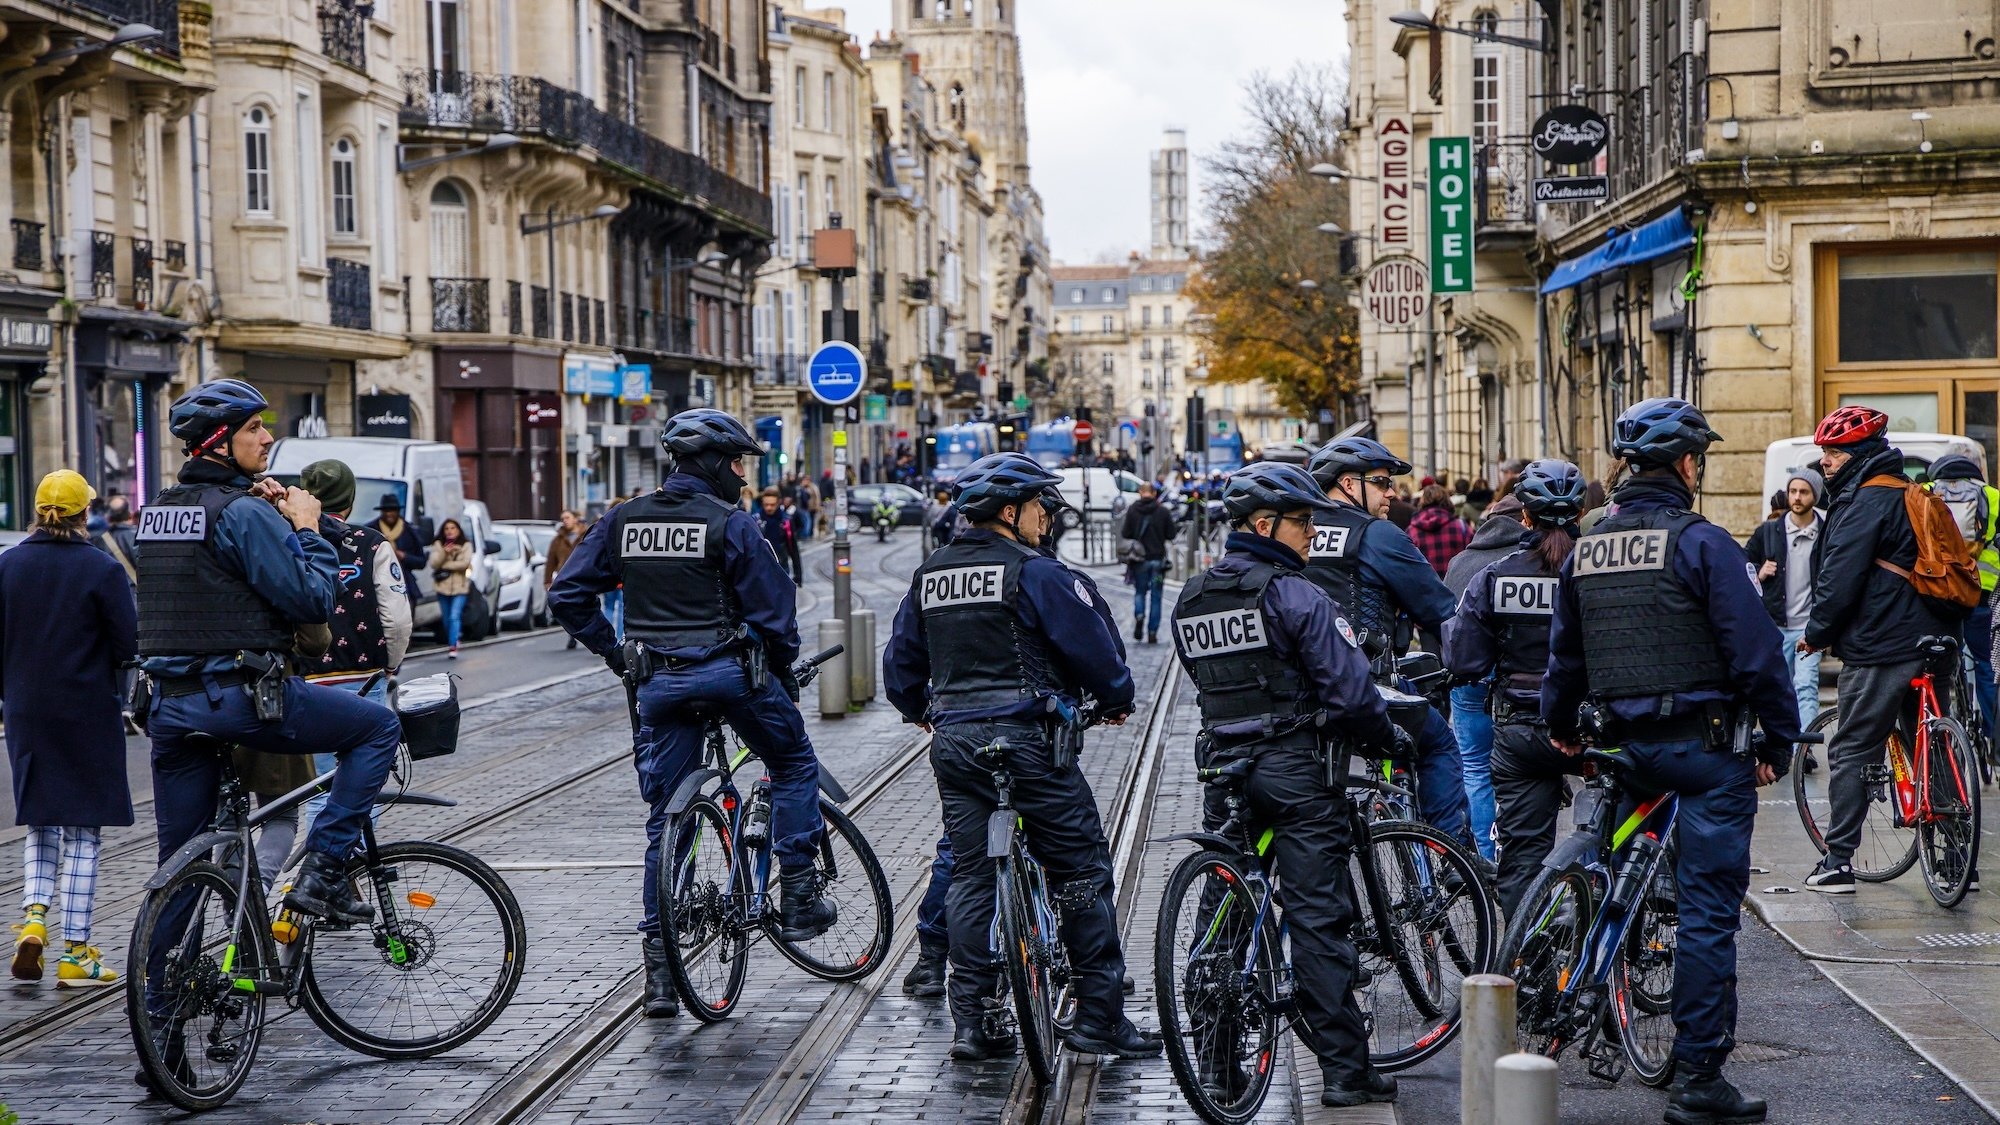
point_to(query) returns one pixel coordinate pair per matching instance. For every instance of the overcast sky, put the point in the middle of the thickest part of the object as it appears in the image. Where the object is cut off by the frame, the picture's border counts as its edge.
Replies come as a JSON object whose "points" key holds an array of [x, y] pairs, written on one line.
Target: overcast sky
{"points": [[1104, 77]]}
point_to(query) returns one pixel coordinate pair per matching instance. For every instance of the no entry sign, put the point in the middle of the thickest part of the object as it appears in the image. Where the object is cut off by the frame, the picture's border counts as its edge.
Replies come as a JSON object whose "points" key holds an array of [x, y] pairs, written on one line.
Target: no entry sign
{"points": [[1083, 431], [1395, 291]]}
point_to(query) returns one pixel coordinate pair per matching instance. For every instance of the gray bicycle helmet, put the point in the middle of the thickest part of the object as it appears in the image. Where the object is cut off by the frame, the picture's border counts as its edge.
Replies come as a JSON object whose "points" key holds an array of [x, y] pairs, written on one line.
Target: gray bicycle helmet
{"points": [[211, 412], [1552, 491]]}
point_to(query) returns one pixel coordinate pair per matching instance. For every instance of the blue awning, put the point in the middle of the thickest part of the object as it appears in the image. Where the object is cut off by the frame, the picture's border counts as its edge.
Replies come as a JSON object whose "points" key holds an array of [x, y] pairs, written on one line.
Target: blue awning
{"points": [[1669, 234]]}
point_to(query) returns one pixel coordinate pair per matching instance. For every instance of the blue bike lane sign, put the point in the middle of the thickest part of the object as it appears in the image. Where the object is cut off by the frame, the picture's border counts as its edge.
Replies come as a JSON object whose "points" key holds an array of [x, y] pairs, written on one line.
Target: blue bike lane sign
{"points": [[835, 373]]}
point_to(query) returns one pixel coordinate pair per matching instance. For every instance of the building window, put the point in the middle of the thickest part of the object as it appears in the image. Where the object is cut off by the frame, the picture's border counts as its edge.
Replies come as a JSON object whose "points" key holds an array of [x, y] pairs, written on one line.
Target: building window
{"points": [[631, 89], [1107, 295], [1146, 316], [1076, 296], [1107, 322], [782, 212], [257, 162], [1485, 95], [832, 198], [1918, 307], [826, 100], [345, 213], [799, 96], [1166, 316], [451, 232], [805, 214], [957, 105], [1145, 285], [1076, 324]]}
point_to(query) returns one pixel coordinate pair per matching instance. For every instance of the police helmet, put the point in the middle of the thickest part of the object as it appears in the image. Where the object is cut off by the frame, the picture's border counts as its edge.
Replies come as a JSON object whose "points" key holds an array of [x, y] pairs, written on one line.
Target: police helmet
{"points": [[213, 411], [1552, 491], [1660, 431], [997, 480], [1347, 455], [1270, 485], [705, 430]]}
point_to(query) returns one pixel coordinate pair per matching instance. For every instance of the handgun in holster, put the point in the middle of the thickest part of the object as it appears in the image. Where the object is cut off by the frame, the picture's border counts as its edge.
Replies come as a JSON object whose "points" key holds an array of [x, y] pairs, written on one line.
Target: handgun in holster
{"points": [[756, 663], [267, 686], [639, 662]]}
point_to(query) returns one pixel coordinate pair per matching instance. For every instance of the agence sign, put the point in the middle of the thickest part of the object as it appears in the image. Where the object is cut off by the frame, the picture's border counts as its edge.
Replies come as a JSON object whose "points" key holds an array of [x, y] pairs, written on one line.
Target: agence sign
{"points": [[1394, 149]]}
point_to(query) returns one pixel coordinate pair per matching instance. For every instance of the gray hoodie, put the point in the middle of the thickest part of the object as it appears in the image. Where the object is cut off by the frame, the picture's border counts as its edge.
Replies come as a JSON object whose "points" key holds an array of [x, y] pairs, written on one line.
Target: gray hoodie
{"points": [[1494, 539]]}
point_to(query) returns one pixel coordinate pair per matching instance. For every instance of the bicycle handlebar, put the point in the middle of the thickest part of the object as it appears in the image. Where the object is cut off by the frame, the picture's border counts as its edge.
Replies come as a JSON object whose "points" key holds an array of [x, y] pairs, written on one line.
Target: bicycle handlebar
{"points": [[807, 670]]}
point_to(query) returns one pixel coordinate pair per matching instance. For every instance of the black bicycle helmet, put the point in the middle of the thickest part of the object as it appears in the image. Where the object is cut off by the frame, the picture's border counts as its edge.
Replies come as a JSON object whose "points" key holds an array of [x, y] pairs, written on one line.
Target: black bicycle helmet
{"points": [[1660, 431], [1270, 485], [211, 412], [705, 430], [997, 480], [1552, 491], [1336, 459]]}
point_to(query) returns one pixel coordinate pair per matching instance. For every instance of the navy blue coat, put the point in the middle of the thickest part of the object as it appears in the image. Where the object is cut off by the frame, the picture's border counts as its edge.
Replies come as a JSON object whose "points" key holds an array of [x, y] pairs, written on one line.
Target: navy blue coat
{"points": [[67, 625]]}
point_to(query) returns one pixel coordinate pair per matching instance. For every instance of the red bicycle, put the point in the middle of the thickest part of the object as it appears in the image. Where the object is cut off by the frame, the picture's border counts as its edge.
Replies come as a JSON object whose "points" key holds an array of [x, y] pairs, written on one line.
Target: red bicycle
{"points": [[1923, 796]]}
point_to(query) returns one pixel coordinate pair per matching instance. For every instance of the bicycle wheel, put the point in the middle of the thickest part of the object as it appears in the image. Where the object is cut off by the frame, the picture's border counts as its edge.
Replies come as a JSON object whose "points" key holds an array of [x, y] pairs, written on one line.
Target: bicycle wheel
{"points": [[437, 965], [1949, 837], [1023, 942], [1222, 1037], [1542, 950], [1428, 922], [1644, 998], [1885, 850], [196, 1033], [702, 895], [851, 878]]}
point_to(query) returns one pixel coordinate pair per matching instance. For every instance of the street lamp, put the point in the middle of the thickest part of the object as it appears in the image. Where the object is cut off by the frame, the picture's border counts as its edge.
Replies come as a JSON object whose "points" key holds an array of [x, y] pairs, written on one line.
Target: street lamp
{"points": [[551, 224], [1307, 285], [124, 37], [1417, 21], [494, 143]]}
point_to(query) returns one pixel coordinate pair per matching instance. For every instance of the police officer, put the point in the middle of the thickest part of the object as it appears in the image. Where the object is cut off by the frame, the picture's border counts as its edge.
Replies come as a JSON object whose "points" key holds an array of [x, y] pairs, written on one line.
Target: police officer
{"points": [[988, 645], [1659, 622], [1376, 575], [708, 604], [1502, 627], [1270, 654], [227, 568]]}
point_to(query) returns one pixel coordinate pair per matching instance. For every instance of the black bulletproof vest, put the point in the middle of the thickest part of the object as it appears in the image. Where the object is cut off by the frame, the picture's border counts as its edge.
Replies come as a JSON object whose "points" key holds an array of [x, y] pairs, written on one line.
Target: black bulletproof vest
{"points": [[1334, 565], [1644, 634], [1521, 601], [1219, 625], [669, 556], [192, 603], [356, 623], [981, 655]]}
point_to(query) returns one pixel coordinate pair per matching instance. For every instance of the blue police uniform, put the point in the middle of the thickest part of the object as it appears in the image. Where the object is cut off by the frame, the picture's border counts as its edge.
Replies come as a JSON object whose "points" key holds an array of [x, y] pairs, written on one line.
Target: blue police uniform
{"points": [[1674, 601], [726, 578]]}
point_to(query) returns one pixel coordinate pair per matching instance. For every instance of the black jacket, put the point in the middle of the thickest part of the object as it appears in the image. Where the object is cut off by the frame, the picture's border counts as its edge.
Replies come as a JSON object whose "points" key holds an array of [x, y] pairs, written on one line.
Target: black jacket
{"points": [[1151, 524], [1866, 614], [1492, 541], [1768, 544]]}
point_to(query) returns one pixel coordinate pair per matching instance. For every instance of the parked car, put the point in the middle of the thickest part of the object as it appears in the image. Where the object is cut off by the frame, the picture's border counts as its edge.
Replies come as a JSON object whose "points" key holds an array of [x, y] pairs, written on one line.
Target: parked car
{"points": [[861, 504], [523, 601]]}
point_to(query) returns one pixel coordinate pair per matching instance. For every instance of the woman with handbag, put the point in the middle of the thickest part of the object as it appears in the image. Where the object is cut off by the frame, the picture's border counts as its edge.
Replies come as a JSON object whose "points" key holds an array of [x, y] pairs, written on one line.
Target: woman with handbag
{"points": [[451, 570]]}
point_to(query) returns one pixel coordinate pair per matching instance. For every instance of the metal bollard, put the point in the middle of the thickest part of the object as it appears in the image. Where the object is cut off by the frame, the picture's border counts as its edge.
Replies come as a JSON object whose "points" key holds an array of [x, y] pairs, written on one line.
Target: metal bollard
{"points": [[833, 675], [861, 656], [1524, 1090], [1486, 1033]]}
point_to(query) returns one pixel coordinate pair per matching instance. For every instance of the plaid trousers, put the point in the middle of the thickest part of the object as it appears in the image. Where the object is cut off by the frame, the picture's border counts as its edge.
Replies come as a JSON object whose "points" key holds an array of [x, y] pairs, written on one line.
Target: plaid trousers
{"points": [[77, 848]]}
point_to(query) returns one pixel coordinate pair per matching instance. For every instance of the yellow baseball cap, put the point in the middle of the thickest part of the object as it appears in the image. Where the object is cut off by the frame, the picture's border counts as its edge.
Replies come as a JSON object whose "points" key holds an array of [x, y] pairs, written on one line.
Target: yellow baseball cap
{"points": [[66, 491]]}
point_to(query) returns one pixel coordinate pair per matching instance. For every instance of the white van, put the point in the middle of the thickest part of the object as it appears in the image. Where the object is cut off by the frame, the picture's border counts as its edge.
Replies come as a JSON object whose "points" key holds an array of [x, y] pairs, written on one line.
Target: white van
{"points": [[423, 476], [1919, 450], [1110, 489]]}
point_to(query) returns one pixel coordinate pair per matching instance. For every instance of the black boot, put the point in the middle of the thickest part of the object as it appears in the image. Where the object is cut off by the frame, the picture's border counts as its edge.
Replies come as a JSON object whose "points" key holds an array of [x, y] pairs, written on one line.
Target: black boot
{"points": [[1711, 1100], [1373, 1086], [324, 892], [803, 912], [926, 977], [1138, 630], [1124, 1041], [973, 1044], [661, 1003], [1126, 984]]}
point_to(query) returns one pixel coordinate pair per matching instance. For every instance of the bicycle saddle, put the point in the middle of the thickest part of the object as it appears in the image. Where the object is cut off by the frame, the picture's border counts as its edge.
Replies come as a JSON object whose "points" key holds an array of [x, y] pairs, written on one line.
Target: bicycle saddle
{"points": [[1610, 759], [1229, 776], [1940, 652], [995, 749]]}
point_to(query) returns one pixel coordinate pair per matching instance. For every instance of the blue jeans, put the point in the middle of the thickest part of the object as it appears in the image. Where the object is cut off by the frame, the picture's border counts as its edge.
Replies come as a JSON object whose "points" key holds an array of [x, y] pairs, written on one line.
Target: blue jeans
{"points": [[933, 929], [1441, 778], [669, 745], [613, 602], [1474, 728], [323, 761], [1979, 645], [1718, 794], [1805, 675], [1149, 580], [452, 608]]}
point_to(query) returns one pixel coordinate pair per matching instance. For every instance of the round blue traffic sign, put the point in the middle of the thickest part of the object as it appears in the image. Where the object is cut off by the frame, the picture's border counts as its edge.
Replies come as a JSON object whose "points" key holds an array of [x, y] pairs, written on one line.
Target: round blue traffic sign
{"points": [[835, 373]]}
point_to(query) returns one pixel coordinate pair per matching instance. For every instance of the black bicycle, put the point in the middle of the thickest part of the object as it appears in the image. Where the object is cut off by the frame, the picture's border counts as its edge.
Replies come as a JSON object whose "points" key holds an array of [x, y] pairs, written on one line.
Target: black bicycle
{"points": [[715, 895], [435, 967]]}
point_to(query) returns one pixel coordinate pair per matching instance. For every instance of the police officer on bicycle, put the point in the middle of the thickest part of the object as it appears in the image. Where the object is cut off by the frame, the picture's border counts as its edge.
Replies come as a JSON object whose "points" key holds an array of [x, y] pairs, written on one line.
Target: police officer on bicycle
{"points": [[227, 569], [1502, 628], [1659, 625], [711, 622], [1379, 578], [999, 641], [1272, 657]]}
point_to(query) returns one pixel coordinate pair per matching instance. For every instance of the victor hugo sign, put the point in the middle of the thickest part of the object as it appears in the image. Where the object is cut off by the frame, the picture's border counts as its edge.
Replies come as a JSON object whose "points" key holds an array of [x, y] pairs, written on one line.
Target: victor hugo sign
{"points": [[1569, 135]]}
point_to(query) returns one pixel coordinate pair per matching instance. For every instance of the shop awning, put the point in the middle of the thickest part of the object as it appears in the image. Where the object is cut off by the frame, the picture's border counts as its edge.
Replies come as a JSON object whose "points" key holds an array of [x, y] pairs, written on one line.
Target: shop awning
{"points": [[1669, 234]]}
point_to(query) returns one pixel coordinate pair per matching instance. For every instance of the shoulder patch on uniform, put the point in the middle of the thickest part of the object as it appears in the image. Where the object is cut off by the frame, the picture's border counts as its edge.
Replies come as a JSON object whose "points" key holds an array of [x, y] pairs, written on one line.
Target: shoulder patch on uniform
{"points": [[1751, 572], [1083, 593], [1346, 631]]}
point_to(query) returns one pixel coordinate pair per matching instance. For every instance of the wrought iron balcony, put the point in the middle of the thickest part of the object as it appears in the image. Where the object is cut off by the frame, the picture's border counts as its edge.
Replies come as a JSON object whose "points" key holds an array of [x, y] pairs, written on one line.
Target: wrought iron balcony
{"points": [[350, 298], [174, 254], [27, 245], [1502, 184], [103, 263], [917, 288], [538, 306], [514, 308], [162, 14], [458, 304], [142, 273], [343, 32]]}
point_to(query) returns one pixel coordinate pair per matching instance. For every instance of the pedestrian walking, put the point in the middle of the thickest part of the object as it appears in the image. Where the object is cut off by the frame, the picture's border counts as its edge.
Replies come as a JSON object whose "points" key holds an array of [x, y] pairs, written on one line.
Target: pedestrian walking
{"points": [[1782, 550], [403, 536], [1147, 530], [450, 561], [1436, 529], [1498, 536], [569, 532], [780, 534], [68, 625]]}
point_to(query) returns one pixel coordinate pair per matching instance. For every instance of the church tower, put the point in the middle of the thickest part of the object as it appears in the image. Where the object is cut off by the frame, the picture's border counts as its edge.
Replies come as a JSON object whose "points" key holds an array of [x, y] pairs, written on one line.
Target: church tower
{"points": [[968, 52]]}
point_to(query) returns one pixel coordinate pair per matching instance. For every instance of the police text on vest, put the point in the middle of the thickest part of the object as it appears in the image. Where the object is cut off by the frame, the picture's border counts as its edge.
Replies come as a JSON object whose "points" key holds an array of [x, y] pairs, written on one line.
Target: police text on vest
{"points": [[962, 585], [1617, 551], [1329, 542], [1525, 595], [1213, 634], [665, 540], [188, 523]]}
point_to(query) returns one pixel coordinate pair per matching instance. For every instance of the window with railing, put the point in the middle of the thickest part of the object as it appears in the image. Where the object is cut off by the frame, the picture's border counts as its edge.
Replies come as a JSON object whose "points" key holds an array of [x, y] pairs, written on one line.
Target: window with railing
{"points": [[142, 273], [103, 263], [174, 254], [350, 299], [514, 308], [568, 319], [343, 32], [27, 245], [538, 304], [458, 304], [346, 216]]}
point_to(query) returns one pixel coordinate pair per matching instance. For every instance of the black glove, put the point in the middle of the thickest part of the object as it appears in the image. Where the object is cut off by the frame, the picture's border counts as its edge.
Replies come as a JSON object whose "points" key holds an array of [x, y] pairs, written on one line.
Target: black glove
{"points": [[615, 660], [789, 682], [1776, 753], [1402, 747]]}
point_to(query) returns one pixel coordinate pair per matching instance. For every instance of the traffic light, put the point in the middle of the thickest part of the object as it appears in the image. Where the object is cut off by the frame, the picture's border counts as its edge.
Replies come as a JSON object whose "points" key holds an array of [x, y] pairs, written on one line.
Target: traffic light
{"points": [[1197, 421]]}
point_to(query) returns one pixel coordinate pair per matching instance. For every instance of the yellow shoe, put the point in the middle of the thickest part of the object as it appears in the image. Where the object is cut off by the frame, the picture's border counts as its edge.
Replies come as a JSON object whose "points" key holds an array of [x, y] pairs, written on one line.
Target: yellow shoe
{"points": [[80, 968], [28, 949]]}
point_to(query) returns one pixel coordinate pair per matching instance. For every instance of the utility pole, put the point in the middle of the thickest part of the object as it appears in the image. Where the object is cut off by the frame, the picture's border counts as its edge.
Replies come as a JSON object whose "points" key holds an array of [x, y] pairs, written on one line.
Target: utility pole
{"points": [[835, 257]]}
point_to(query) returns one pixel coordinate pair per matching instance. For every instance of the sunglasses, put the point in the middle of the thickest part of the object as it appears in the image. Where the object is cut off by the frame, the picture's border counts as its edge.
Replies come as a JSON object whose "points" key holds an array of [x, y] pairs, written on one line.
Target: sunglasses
{"points": [[1383, 483], [1303, 521]]}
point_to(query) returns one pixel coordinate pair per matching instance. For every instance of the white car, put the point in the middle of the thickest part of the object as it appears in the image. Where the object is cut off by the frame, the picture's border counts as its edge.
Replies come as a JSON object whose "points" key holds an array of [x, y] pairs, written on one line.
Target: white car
{"points": [[524, 601], [1919, 450]]}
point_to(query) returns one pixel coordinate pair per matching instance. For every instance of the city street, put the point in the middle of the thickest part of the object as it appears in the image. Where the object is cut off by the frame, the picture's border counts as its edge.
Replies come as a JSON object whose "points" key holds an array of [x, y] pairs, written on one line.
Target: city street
{"points": [[547, 797]]}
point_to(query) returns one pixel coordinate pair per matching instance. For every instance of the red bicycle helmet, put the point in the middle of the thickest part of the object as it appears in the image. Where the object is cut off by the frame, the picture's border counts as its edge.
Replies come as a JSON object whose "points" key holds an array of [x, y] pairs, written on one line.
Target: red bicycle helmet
{"points": [[1850, 425]]}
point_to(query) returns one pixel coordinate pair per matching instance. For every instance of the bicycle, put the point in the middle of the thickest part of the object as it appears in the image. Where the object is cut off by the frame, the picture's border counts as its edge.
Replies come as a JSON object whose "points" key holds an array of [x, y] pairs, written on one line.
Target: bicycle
{"points": [[1222, 969], [715, 894], [436, 966], [1923, 795]]}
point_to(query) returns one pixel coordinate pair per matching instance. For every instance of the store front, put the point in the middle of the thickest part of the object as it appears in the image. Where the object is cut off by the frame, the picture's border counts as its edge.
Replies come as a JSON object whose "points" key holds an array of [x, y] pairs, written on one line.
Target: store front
{"points": [[514, 466], [309, 397], [124, 360], [26, 335]]}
